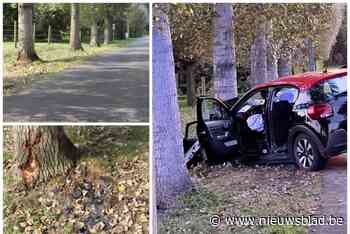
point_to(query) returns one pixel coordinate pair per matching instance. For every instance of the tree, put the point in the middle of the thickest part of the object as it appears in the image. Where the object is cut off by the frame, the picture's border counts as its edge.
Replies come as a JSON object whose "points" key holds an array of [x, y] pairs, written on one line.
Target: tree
{"points": [[258, 62], [43, 152], [224, 58], [90, 15], [138, 20], [26, 51], [329, 35], [108, 24], [311, 55], [74, 39], [171, 175]]}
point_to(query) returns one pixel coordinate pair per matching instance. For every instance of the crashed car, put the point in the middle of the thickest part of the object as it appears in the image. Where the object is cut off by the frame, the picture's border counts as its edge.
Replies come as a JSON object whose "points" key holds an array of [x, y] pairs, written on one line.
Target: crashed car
{"points": [[298, 119]]}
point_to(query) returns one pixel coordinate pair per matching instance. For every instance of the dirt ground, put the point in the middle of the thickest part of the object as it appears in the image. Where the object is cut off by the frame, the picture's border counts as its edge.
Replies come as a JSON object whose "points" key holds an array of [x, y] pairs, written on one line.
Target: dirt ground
{"points": [[258, 191]]}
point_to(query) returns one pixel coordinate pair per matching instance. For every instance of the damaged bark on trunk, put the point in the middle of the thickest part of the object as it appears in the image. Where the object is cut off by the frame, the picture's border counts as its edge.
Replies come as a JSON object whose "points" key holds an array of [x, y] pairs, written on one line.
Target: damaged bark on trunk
{"points": [[43, 152]]}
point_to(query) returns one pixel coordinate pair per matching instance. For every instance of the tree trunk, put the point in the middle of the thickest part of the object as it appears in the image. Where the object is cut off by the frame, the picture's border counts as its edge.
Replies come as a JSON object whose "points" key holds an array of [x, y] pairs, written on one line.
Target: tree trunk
{"points": [[94, 35], [224, 58], [74, 39], [127, 28], [26, 51], [191, 85], [42, 152], [311, 55], [258, 56], [284, 66], [108, 29], [271, 60], [328, 37], [171, 174]]}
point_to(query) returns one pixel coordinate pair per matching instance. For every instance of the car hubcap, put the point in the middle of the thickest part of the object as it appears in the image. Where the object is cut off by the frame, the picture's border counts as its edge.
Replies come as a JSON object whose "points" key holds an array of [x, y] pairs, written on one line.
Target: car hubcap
{"points": [[304, 153]]}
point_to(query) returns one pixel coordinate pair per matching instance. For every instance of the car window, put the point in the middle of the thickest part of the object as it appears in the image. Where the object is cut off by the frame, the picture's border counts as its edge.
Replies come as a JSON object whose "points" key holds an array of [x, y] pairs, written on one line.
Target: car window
{"points": [[288, 94], [258, 99], [213, 110], [329, 89]]}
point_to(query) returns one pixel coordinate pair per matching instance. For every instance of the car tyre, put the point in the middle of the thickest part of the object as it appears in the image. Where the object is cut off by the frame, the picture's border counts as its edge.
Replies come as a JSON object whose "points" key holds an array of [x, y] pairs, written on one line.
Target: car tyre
{"points": [[306, 153]]}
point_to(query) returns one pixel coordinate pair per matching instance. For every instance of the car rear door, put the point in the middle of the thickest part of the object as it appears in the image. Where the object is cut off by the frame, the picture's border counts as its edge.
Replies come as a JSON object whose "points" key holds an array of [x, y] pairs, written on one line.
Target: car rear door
{"points": [[215, 129]]}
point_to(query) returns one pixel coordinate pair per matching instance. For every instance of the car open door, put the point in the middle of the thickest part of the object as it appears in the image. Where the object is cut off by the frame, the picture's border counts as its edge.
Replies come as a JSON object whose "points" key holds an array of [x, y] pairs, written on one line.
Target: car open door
{"points": [[215, 129]]}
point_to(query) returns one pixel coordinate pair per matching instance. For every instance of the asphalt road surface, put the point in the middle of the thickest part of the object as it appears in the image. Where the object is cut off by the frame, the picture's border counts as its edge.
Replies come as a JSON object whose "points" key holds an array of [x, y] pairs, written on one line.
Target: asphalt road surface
{"points": [[111, 87], [333, 197]]}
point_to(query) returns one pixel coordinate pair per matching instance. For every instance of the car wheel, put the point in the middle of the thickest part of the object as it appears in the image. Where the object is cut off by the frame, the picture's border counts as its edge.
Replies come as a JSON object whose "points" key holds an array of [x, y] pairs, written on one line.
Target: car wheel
{"points": [[306, 154]]}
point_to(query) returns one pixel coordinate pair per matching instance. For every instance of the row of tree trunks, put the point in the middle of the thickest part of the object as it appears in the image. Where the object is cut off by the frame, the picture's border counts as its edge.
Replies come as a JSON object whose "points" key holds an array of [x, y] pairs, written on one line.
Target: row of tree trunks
{"points": [[170, 172], [224, 58], [43, 152]]}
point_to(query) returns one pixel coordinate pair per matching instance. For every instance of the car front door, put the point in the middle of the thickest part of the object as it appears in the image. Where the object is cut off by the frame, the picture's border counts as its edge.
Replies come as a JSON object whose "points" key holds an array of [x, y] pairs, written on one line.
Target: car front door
{"points": [[215, 129]]}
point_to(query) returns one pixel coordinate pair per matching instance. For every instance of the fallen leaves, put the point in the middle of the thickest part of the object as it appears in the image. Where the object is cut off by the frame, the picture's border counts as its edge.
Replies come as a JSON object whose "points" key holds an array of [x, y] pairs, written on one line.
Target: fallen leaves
{"points": [[101, 195]]}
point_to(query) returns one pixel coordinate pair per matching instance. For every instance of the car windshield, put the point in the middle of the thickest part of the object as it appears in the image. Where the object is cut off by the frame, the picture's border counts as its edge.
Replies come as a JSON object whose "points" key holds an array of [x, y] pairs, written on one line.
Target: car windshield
{"points": [[329, 89]]}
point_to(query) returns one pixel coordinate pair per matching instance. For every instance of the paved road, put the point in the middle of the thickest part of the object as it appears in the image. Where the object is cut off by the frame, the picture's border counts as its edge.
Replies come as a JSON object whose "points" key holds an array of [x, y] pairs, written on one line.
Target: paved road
{"points": [[333, 195], [112, 87]]}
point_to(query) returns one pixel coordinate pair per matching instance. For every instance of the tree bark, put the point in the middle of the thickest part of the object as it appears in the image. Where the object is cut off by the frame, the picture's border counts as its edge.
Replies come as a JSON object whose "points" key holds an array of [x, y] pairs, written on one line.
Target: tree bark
{"points": [[224, 58], [271, 60], [26, 51], [171, 174], [258, 61], [284, 66], [108, 29], [42, 152], [74, 39], [94, 35], [311, 55]]}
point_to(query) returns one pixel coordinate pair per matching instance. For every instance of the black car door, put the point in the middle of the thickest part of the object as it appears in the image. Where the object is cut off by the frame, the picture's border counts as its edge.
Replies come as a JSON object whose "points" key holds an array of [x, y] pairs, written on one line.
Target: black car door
{"points": [[215, 129]]}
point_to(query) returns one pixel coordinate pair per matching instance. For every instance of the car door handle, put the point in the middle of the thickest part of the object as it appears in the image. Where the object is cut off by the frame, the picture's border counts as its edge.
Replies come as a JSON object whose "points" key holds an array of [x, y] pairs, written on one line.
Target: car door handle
{"points": [[202, 133]]}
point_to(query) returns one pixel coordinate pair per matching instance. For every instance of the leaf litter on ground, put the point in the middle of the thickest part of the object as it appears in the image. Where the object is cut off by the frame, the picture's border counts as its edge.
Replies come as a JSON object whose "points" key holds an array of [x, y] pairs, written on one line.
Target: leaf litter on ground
{"points": [[107, 194]]}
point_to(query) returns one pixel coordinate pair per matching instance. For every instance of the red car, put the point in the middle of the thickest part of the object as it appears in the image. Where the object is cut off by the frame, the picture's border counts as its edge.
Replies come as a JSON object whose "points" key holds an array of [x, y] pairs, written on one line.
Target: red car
{"points": [[300, 118]]}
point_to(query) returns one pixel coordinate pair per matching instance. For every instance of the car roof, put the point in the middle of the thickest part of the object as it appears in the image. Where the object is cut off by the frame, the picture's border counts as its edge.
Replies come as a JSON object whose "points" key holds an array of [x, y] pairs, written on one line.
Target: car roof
{"points": [[304, 80]]}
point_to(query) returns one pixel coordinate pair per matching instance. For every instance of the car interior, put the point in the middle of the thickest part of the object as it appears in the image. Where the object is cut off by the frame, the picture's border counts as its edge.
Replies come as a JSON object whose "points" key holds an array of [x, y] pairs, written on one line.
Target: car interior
{"points": [[282, 102], [254, 141]]}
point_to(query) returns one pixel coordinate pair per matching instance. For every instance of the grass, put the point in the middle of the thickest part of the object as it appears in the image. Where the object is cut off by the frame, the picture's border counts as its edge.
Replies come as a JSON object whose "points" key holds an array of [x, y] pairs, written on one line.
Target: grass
{"points": [[243, 191], [54, 58]]}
